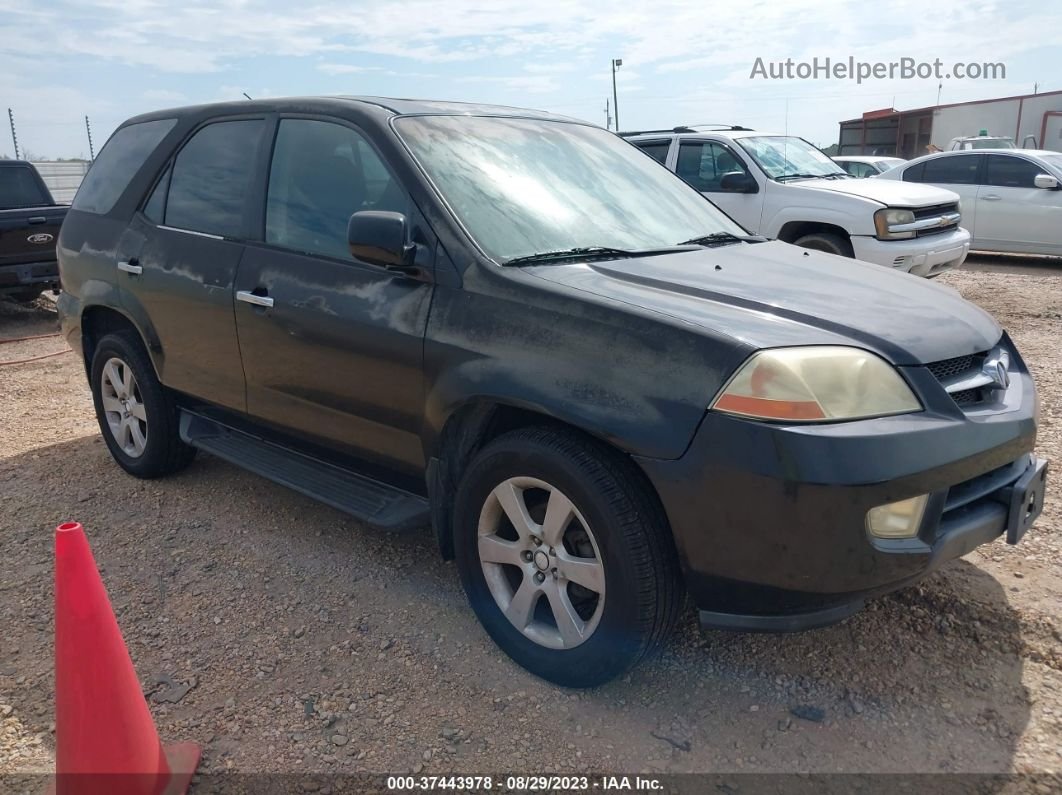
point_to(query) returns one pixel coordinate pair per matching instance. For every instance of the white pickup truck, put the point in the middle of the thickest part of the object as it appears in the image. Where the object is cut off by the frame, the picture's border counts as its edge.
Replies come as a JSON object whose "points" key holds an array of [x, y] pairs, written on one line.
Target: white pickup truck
{"points": [[780, 186]]}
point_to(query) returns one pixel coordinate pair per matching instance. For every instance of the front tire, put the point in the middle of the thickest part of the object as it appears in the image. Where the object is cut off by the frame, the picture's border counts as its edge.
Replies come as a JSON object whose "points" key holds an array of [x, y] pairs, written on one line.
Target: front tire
{"points": [[831, 244], [565, 555], [137, 416]]}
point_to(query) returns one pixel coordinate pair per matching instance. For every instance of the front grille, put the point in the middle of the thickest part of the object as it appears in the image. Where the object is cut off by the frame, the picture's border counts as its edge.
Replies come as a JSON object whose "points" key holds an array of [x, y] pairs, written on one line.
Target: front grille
{"points": [[936, 209], [968, 397], [948, 369], [932, 212]]}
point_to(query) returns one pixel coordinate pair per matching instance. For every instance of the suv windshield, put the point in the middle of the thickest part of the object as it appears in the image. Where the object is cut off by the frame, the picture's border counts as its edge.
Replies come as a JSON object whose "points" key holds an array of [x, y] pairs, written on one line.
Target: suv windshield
{"points": [[525, 186], [786, 157]]}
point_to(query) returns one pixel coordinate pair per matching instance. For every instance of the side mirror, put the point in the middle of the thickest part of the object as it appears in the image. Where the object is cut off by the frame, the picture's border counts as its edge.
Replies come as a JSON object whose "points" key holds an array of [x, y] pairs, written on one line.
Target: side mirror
{"points": [[1045, 181], [381, 238], [738, 182]]}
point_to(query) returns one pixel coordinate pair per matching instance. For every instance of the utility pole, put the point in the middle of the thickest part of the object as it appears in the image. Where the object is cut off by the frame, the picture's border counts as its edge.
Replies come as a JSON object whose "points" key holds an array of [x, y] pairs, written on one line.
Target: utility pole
{"points": [[88, 129], [14, 137], [616, 63], [940, 87], [608, 116]]}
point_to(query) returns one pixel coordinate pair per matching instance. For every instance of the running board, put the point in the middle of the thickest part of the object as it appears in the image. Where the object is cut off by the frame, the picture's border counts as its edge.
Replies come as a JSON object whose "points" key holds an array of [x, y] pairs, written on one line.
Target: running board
{"points": [[377, 504]]}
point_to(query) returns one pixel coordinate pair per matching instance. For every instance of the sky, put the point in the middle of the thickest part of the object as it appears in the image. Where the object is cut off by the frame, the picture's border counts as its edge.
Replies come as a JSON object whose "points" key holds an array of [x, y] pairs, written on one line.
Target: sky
{"points": [[683, 62]]}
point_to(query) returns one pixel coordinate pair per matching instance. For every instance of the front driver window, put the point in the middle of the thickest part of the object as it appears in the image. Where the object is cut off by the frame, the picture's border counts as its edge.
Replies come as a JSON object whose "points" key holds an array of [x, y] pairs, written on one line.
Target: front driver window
{"points": [[703, 165], [322, 173]]}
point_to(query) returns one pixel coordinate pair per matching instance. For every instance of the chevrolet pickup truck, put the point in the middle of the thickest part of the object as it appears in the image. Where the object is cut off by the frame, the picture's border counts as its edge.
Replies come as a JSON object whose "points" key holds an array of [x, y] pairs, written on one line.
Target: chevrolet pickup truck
{"points": [[29, 226]]}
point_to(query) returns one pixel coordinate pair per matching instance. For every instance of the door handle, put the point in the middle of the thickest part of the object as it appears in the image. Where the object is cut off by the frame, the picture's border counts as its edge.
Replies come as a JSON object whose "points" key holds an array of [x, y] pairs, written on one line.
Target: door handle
{"points": [[38, 219], [991, 198], [130, 266], [250, 298]]}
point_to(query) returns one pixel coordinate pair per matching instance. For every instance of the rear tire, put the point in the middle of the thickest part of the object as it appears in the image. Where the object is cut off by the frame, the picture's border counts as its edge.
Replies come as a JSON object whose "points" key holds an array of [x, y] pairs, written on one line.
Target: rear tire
{"points": [[617, 592], [136, 414], [823, 241]]}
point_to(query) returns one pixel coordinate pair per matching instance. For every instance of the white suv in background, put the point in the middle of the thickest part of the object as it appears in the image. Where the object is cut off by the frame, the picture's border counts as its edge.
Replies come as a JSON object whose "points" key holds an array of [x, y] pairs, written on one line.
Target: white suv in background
{"points": [[780, 186]]}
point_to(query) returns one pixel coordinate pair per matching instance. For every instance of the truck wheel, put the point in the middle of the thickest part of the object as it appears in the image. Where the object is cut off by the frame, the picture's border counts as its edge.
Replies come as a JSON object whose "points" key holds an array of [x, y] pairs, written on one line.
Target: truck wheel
{"points": [[136, 414], [565, 555], [823, 241]]}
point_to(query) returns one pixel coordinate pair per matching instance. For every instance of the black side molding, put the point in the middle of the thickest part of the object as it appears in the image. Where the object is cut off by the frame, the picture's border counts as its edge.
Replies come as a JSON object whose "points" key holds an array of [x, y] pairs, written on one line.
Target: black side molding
{"points": [[377, 504]]}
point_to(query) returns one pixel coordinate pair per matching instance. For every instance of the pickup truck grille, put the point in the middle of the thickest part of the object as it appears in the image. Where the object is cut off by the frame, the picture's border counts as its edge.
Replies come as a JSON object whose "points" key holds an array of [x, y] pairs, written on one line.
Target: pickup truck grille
{"points": [[955, 376], [937, 210]]}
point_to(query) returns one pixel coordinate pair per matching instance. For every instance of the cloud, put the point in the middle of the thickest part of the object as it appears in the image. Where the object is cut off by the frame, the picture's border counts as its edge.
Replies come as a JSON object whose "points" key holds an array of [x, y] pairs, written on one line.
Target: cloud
{"points": [[345, 68], [164, 95]]}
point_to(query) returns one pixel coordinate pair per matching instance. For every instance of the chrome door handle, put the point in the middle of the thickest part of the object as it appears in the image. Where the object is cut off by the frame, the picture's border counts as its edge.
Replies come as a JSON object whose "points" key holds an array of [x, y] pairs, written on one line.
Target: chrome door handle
{"points": [[991, 198], [130, 267], [251, 298]]}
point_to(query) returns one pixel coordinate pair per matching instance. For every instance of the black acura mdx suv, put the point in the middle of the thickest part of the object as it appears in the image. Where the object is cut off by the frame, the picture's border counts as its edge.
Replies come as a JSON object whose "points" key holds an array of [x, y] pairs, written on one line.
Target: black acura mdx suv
{"points": [[599, 391]]}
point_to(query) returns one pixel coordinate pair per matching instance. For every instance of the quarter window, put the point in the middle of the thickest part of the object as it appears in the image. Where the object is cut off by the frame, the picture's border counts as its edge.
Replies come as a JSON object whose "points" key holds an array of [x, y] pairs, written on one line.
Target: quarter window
{"points": [[703, 165], [954, 170], [1005, 171], [322, 173], [212, 178], [122, 156], [655, 149]]}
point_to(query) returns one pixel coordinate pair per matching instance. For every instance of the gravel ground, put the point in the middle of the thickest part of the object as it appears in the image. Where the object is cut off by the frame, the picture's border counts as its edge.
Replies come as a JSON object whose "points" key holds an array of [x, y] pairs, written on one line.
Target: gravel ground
{"points": [[285, 637]]}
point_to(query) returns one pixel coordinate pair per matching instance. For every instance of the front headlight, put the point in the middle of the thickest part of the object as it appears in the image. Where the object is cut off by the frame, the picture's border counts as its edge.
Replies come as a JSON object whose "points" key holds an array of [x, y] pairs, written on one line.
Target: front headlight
{"points": [[815, 384], [885, 221]]}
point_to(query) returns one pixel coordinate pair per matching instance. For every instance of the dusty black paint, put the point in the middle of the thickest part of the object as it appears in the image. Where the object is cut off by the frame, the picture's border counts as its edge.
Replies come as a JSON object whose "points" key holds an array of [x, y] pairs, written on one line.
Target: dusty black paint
{"points": [[408, 377]]}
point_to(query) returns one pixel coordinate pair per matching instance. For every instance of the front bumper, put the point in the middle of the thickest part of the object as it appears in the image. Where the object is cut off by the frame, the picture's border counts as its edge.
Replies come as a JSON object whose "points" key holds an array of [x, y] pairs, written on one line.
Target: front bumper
{"points": [[770, 520], [920, 256]]}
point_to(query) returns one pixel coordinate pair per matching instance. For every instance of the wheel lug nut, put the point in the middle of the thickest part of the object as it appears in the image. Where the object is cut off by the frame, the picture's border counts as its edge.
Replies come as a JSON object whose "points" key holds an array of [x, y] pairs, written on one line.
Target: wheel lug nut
{"points": [[540, 577], [536, 540], [527, 555]]}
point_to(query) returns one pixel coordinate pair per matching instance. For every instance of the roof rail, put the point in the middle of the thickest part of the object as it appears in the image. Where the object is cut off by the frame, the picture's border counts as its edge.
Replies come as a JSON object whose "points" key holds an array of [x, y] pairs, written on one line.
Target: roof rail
{"points": [[687, 128]]}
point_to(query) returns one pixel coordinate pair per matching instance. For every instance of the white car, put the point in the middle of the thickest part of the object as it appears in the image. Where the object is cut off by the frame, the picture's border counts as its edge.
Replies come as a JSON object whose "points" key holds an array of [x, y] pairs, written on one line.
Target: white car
{"points": [[867, 165], [781, 186], [1011, 200], [982, 141]]}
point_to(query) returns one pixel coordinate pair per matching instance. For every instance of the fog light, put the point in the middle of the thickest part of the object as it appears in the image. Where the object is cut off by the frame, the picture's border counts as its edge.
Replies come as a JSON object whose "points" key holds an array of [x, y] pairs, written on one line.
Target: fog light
{"points": [[897, 519]]}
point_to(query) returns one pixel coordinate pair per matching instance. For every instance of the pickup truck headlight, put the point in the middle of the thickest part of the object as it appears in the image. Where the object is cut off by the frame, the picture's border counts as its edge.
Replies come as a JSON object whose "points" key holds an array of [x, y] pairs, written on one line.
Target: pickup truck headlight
{"points": [[886, 220], [815, 384]]}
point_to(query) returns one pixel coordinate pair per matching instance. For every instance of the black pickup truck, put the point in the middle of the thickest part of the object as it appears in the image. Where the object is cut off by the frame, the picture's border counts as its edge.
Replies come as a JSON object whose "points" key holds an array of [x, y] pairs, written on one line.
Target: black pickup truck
{"points": [[29, 226]]}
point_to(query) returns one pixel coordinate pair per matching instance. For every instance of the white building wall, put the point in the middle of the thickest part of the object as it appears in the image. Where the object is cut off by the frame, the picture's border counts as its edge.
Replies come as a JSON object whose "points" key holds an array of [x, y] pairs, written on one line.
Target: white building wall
{"points": [[999, 118], [63, 178]]}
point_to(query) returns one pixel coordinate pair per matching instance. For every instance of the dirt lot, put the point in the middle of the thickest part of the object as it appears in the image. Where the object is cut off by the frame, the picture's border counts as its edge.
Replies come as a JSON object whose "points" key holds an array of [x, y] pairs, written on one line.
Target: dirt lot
{"points": [[313, 644]]}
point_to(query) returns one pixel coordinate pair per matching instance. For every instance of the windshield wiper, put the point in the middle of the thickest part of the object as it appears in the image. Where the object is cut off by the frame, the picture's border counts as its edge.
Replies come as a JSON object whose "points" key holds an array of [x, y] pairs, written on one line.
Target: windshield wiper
{"points": [[798, 176], [723, 239], [587, 252]]}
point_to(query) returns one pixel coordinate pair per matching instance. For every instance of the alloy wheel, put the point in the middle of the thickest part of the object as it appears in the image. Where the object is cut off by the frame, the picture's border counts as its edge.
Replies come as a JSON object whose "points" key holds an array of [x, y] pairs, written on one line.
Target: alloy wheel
{"points": [[541, 562], [123, 407]]}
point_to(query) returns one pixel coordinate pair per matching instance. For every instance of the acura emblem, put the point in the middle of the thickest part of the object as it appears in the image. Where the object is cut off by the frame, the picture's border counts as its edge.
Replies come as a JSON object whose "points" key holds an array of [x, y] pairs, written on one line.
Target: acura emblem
{"points": [[995, 367], [40, 237]]}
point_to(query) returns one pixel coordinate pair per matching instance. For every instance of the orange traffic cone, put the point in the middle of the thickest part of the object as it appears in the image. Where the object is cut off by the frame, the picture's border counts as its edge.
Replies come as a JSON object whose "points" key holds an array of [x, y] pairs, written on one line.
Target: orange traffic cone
{"points": [[105, 739]]}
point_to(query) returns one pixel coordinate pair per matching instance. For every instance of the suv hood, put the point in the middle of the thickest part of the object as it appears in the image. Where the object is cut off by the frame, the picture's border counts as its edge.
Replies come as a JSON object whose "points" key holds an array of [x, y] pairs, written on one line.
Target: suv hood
{"points": [[891, 193], [774, 294]]}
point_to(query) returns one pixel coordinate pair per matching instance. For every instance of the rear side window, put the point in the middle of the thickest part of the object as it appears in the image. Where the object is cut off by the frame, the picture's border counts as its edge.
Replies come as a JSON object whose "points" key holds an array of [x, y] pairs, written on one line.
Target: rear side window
{"points": [[1005, 171], [211, 178], [155, 209], [655, 149], [121, 158], [19, 188], [956, 170]]}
